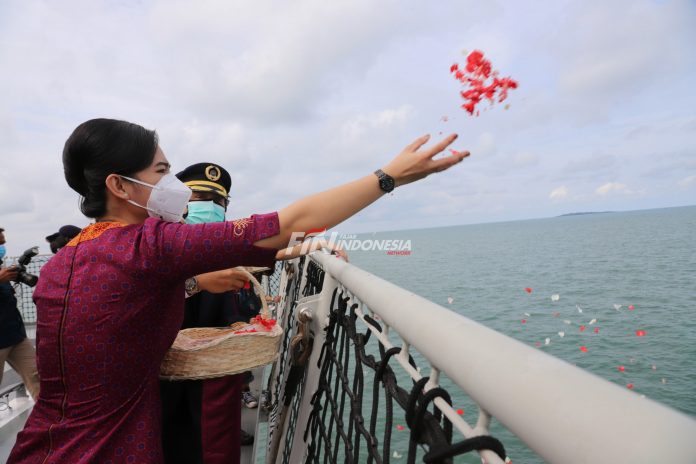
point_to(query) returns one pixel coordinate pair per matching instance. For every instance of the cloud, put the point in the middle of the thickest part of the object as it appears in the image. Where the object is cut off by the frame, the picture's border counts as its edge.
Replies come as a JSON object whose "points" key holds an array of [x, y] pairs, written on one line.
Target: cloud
{"points": [[612, 187], [687, 182], [560, 193], [613, 49], [361, 125], [296, 98]]}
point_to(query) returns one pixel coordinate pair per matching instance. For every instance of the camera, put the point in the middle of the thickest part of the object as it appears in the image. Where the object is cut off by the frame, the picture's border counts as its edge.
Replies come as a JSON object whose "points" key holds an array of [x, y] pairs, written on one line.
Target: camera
{"points": [[22, 275]]}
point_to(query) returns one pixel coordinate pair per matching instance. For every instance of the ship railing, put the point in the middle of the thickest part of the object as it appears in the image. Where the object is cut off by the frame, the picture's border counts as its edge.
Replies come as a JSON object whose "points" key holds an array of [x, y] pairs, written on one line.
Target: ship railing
{"points": [[347, 376]]}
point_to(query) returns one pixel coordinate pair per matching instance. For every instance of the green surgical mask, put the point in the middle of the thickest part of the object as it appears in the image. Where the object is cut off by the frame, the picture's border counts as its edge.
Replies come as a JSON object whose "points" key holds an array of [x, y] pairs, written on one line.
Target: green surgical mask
{"points": [[200, 212]]}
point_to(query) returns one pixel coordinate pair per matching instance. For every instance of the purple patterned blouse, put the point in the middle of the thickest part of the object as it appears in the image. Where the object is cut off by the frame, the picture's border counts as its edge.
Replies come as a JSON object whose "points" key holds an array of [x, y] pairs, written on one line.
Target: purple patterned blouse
{"points": [[109, 306]]}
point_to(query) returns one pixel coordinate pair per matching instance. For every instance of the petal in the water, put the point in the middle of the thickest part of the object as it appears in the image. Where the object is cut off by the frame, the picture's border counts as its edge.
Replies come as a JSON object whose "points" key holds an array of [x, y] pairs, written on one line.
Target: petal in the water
{"points": [[561, 334], [555, 297]]}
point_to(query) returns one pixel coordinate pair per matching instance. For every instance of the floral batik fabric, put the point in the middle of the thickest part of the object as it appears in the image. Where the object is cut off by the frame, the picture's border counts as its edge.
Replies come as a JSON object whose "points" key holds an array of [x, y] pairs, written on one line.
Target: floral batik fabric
{"points": [[109, 305]]}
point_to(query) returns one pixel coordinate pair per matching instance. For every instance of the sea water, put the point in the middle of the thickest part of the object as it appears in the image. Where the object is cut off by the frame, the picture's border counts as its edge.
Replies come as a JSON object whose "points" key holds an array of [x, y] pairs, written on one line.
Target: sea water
{"points": [[628, 270]]}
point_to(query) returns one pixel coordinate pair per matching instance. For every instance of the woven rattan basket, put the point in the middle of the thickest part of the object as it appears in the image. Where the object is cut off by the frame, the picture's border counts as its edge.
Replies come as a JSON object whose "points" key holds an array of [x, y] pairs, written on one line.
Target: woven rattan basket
{"points": [[209, 352]]}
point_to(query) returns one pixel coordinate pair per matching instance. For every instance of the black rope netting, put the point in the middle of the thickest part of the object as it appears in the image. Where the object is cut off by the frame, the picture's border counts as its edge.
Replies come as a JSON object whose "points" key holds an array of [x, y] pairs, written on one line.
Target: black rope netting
{"points": [[347, 424]]}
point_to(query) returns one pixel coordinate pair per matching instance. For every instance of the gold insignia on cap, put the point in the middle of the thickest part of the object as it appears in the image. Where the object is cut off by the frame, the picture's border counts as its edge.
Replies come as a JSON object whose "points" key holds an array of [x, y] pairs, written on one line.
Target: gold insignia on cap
{"points": [[213, 173]]}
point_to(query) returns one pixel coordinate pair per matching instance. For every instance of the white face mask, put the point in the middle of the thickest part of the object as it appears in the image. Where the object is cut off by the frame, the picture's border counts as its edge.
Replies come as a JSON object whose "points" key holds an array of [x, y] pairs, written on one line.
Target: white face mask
{"points": [[168, 198]]}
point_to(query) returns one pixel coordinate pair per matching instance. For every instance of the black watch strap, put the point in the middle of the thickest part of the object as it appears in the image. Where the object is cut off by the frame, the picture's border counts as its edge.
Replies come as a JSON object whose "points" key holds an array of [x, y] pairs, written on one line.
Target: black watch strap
{"points": [[386, 182]]}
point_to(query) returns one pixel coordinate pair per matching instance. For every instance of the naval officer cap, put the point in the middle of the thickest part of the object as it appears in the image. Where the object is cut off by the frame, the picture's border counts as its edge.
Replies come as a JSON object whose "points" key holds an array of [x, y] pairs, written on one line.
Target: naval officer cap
{"points": [[207, 177]]}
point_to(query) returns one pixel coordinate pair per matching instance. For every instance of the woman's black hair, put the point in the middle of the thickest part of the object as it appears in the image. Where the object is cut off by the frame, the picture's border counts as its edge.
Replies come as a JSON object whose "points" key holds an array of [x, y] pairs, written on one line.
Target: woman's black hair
{"points": [[100, 147]]}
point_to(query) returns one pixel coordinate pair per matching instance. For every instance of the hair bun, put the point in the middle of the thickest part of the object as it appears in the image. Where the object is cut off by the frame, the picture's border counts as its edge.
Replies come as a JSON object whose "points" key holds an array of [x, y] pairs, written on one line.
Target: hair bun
{"points": [[74, 167]]}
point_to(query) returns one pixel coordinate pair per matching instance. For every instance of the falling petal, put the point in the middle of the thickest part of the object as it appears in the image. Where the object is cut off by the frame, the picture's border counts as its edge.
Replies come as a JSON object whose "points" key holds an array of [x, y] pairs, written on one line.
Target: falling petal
{"points": [[631, 307], [547, 341], [596, 330], [621, 369], [561, 334], [654, 367], [641, 333], [593, 321], [460, 412], [396, 455], [617, 306], [400, 428], [582, 328], [450, 300], [528, 290], [632, 360], [579, 309], [664, 381], [629, 386], [583, 348], [524, 321], [555, 297], [567, 321], [556, 314], [527, 314]]}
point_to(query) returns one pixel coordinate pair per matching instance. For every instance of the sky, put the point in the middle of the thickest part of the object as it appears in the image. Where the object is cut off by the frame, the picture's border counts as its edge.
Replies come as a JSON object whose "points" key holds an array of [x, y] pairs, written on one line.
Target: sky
{"points": [[296, 97]]}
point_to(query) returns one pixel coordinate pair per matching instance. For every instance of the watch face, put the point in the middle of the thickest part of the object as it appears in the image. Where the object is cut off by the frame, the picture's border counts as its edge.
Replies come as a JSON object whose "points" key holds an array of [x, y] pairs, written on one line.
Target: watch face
{"points": [[388, 183]]}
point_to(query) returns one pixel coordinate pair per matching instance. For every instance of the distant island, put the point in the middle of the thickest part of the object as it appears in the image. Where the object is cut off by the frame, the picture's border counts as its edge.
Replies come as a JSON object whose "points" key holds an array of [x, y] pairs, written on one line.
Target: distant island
{"points": [[586, 212]]}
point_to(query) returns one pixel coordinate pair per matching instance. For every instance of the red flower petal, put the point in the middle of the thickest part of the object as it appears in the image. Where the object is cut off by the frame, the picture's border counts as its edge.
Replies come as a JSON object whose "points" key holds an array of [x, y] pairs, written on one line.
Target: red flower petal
{"points": [[583, 349]]}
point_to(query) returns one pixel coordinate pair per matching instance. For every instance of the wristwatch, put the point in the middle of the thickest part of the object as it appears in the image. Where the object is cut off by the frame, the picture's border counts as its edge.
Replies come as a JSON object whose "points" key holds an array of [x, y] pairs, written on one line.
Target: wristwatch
{"points": [[191, 286], [386, 182]]}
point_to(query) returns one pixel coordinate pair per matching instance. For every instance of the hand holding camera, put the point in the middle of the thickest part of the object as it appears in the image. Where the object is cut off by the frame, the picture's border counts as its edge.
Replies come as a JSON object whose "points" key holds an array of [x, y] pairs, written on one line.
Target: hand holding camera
{"points": [[18, 272]]}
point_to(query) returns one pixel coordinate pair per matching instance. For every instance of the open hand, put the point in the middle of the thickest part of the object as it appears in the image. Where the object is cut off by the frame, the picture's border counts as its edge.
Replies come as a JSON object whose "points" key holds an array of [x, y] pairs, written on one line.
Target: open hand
{"points": [[413, 163]]}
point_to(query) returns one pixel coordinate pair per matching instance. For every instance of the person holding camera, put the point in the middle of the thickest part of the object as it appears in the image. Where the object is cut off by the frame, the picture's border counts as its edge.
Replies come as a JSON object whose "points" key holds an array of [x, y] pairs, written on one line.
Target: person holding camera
{"points": [[15, 347]]}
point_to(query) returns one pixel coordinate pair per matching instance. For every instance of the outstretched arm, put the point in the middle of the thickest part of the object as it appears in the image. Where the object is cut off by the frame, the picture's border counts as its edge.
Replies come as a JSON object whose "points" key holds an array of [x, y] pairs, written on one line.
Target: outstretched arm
{"points": [[331, 207]]}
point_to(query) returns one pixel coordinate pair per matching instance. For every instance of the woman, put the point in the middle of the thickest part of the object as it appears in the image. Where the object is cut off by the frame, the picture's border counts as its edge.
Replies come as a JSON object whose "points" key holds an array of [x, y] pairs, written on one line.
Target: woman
{"points": [[110, 303]]}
